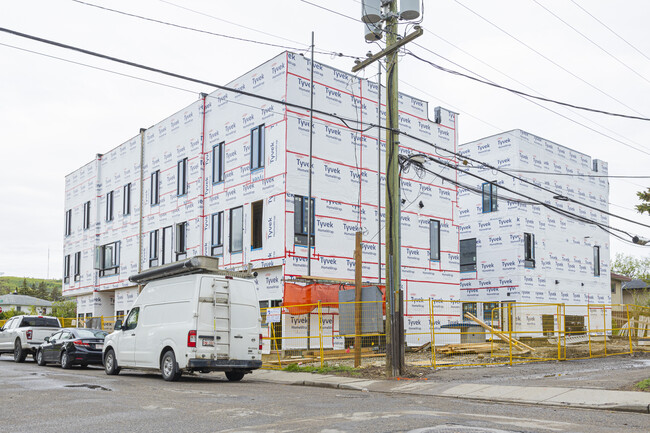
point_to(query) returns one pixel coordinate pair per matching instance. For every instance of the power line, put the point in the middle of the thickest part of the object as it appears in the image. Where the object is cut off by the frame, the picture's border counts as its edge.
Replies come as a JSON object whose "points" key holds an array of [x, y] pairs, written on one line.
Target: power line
{"points": [[530, 88], [539, 105], [221, 35], [590, 40], [608, 176], [608, 28], [289, 104], [518, 92], [98, 68], [547, 58], [234, 23]]}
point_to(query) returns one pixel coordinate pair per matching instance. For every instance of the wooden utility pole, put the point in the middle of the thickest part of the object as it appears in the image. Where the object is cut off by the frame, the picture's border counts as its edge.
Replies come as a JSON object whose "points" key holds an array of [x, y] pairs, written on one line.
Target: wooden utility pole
{"points": [[394, 313], [358, 323]]}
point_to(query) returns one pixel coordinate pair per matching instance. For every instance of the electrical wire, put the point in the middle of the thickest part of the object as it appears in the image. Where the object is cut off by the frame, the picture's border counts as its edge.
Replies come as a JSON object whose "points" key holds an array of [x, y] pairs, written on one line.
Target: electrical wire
{"points": [[545, 57], [221, 35], [608, 28], [590, 40], [286, 103], [527, 99], [518, 92], [608, 176]]}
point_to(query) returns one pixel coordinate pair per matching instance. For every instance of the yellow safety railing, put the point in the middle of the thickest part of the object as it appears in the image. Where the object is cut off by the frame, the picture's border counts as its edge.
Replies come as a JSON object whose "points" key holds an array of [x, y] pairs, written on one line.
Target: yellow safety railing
{"points": [[444, 333]]}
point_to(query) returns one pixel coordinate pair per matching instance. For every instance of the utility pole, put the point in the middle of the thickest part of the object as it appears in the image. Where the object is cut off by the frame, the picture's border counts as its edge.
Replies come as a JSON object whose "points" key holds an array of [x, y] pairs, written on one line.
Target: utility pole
{"points": [[394, 313]]}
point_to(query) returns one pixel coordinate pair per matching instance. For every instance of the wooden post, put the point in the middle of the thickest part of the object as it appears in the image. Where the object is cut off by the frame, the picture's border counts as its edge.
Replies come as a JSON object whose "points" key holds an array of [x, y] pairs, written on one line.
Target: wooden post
{"points": [[357, 299]]}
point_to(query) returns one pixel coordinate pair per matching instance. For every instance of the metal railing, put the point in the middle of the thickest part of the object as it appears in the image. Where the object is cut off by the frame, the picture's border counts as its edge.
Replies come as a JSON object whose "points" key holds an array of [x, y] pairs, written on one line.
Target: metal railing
{"points": [[443, 333]]}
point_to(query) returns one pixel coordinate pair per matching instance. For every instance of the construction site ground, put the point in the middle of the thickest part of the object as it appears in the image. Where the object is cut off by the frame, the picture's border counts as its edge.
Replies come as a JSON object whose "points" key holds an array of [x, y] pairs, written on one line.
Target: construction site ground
{"points": [[618, 372]]}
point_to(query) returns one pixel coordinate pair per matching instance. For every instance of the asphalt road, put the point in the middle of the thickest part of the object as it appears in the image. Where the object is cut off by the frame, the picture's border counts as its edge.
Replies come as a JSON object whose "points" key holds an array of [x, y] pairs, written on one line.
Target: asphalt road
{"points": [[49, 399]]}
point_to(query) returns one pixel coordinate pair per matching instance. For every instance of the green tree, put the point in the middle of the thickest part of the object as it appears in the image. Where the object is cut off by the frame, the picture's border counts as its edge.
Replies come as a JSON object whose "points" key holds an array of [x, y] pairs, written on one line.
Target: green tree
{"points": [[41, 291], [632, 267], [644, 196], [55, 295], [65, 309], [9, 314]]}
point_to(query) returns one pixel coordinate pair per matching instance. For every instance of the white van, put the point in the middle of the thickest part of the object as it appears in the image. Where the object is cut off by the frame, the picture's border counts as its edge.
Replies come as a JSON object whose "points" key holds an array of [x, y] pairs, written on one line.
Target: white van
{"points": [[189, 317]]}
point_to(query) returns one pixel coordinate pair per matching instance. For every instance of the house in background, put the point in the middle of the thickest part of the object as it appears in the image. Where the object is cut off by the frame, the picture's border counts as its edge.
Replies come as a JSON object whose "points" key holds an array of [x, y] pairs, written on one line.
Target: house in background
{"points": [[618, 281], [635, 292], [24, 304]]}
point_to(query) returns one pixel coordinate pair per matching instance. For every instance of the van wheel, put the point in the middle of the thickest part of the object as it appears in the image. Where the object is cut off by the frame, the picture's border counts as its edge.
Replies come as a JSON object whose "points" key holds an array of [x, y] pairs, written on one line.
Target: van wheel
{"points": [[110, 363], [234, 376], [19, 353], [66, 362], [168, 367], [40, 360]]}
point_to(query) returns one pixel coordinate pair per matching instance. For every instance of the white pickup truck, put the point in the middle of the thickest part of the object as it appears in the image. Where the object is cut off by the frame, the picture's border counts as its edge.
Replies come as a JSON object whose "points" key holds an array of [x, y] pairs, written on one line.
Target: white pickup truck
{"points": [[22, 335]]}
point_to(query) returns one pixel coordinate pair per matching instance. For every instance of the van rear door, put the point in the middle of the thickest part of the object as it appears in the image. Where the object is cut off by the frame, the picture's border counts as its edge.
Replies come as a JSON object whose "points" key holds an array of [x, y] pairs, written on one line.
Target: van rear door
{"points": [[213, 324], [245, 321]]}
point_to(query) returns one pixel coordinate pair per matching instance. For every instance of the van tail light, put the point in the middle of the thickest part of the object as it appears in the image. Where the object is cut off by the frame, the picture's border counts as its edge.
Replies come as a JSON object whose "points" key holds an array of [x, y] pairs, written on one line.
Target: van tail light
{"points": [[191, 339], [260, 341], [80, 343], [29, 334]]}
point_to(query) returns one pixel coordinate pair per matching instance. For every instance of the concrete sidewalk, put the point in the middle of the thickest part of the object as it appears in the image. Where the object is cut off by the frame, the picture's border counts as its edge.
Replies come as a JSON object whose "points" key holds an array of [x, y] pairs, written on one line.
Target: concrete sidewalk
{"points": [[589, 398]]}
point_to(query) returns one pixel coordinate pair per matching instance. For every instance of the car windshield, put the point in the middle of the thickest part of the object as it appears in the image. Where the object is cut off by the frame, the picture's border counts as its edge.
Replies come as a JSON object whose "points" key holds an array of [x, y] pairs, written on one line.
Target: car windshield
{"points": [[91, 333], [40, 322]]}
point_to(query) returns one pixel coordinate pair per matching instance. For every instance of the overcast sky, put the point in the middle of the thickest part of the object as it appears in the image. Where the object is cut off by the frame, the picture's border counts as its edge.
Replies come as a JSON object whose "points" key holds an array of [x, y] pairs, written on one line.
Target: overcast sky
{"points": [[56, 115]]}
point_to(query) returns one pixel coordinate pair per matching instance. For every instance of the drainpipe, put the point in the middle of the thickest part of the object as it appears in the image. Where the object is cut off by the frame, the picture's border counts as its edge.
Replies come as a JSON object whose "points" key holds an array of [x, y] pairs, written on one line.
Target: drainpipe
{"points": [[142, 136]]}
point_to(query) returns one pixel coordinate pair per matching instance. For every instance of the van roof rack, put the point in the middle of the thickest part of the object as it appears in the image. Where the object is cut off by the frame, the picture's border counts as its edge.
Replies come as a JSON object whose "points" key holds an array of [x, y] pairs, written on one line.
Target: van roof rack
{"points": [[193, 265]]}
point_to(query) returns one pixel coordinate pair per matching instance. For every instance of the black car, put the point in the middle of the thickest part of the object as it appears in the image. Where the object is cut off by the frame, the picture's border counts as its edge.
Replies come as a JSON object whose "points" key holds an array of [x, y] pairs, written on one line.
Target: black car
{"points": [[71, 346]]}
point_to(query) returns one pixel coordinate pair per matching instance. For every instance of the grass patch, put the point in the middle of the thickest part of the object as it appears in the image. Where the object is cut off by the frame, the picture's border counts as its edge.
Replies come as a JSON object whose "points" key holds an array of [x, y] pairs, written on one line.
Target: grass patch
{"points": [[325, 369], [644, 385]]}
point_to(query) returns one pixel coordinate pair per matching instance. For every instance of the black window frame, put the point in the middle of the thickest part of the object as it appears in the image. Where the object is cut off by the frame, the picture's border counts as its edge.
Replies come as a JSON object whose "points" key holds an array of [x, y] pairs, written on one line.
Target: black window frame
{"points": [[126, 199], [300, 222], [155, 188], [257, 225], [66, 268], [77, 266], [218, 165], [489, 197], [529, 250], [109, 206], [86, 222], [181, 177], [470, 265], [68, 222], [232, 248], [216, 239], [596, 260], [180, 240], [107, 269], [434, 241], [153, 248], [257, 142]]}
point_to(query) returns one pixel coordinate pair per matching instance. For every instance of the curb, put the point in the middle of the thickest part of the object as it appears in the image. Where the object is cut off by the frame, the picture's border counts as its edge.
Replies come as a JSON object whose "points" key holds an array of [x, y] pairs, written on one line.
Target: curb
{"points": [[640, 408]]}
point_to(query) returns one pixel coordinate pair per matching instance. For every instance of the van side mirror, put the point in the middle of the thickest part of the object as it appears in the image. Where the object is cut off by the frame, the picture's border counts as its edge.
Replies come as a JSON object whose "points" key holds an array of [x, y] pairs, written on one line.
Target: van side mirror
{"points": [[118, 325], [46, 339]]}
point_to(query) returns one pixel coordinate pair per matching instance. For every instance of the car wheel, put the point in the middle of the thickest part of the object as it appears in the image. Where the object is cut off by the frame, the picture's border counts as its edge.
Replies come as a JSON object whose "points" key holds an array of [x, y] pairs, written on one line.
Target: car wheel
{"points": [[234, 376], [40, 360], [110, 363], [168, 367], [66, 362], [19, 353]]}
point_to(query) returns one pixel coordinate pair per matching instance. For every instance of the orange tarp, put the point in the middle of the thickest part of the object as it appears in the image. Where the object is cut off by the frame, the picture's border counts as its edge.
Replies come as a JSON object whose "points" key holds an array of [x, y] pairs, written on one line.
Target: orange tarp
{"points": [[302, 299]]}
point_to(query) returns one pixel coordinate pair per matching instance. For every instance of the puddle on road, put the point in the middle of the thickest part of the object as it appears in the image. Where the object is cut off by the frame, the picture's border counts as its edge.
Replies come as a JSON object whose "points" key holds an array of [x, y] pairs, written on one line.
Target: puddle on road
{"points": [[86, 385]]}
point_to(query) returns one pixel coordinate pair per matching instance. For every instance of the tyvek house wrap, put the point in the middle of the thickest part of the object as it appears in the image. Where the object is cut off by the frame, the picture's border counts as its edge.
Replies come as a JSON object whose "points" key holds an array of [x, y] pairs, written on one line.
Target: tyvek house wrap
{"points": [[345, 189], [564, 247]]}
